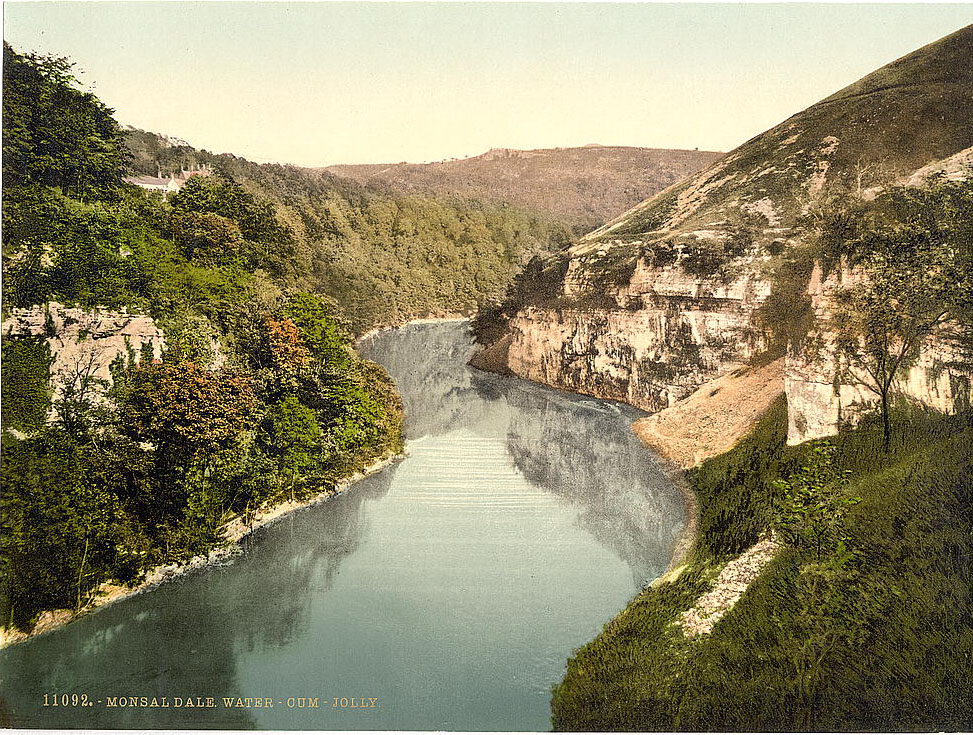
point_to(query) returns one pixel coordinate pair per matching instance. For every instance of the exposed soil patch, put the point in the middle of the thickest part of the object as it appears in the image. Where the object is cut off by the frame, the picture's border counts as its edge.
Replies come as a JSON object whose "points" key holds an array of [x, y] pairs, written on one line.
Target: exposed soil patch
{"points": [[712, 420]]}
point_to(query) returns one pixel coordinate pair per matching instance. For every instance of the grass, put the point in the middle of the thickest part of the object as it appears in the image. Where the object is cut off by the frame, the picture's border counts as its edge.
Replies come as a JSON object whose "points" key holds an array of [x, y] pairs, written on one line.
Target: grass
{"points": [[883, 641]]}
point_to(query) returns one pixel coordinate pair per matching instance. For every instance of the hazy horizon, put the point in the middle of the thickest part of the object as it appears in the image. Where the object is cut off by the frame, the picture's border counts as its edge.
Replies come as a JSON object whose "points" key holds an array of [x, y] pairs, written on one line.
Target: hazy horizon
{"points": [[318, 84]]}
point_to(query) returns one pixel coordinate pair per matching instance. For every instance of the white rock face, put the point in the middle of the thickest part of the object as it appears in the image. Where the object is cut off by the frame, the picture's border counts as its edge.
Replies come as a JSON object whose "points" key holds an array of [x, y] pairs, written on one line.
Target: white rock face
{"points": [[819, 403], [84, 343], [664, 334], [675, 333]]}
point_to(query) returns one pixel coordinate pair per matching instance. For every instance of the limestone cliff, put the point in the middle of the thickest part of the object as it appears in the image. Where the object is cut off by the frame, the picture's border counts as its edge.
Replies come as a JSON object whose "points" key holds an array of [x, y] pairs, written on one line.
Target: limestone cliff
{"points": [[668, 297], [820, 402], [663, 335], [84, 343]]}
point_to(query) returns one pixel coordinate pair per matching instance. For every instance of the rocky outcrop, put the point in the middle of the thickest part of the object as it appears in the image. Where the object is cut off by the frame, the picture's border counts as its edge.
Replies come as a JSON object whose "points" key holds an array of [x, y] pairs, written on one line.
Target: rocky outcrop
{"points": [[673, 334], [824, 396], [83, 343], [665, 298]]}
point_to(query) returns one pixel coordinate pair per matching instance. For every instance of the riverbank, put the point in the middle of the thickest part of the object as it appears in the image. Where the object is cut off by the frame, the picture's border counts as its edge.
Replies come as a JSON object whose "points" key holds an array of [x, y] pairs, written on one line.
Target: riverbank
{"points": [[235, 531]]}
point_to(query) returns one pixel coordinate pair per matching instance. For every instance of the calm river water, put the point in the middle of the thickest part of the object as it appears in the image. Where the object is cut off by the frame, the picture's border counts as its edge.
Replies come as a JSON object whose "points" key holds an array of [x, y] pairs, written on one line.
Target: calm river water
{"points": [[450, 588]]}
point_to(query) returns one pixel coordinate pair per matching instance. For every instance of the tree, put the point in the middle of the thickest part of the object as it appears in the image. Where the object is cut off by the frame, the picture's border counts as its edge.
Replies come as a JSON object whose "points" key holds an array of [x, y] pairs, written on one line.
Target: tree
{"points": [[294, 434], [80, 390], [809, 519], [266, 242], [53, 133], [809, 515], [182, 407], [912, 276], [26, 382], [287, 350], [321, 331], [60, 525], [206, 237]]}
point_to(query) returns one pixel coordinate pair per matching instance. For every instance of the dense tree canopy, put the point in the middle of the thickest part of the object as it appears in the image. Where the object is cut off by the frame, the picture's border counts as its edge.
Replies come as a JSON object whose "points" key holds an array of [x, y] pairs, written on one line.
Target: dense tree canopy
{"points": [[53, 133], [258, 395]]}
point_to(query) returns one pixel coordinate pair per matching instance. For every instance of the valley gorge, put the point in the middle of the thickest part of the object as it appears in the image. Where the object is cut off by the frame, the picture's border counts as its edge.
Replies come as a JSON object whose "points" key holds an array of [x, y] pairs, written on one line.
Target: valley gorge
{"points": [[674, 294], [417, 435]]}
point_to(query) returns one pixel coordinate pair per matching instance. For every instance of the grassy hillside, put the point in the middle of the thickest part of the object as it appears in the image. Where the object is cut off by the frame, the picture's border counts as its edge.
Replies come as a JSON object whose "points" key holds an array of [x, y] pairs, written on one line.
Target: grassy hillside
{"points": [[385, 256], [864, 618], [750, 208], [582, 186], [907, 114], [870, 630]]}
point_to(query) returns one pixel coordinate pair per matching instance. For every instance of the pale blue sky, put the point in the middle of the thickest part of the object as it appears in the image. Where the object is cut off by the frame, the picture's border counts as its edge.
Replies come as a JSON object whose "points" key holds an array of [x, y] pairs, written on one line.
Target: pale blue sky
{"points": [[322, 83]]}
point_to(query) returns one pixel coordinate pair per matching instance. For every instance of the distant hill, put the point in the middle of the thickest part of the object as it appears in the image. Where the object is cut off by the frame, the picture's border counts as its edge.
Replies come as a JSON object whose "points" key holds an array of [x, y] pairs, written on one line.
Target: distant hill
{"points": [[584, 186], [681, 306], [682, 282]]}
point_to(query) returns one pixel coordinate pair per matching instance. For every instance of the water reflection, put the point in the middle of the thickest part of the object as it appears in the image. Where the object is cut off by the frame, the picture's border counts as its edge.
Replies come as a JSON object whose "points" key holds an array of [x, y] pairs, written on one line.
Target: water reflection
{"points": [[184, 638], [452, 586], [428, 363], [181, 647], [624, 497], [576, 448]]}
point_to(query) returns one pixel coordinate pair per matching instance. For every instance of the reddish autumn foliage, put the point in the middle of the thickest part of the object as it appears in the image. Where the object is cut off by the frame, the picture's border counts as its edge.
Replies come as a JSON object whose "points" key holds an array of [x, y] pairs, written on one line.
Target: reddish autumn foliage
{"points": [[286, 346], [183, 405]]}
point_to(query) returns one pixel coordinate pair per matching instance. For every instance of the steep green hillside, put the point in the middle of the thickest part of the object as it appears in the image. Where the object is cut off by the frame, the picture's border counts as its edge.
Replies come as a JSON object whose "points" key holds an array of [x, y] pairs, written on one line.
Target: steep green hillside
{"points": [[766, 194], [863, 622], [714, 272], [910, 113], [385, 256], [863, 618], [582, 186]]}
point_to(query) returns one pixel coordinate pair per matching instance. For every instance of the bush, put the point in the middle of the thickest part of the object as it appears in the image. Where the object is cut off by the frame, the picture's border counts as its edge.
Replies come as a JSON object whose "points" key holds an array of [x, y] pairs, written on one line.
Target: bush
{"points": [[26, 383]]}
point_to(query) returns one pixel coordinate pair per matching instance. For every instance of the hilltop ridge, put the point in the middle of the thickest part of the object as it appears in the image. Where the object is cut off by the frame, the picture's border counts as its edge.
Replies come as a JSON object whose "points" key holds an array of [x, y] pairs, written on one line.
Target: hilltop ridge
{"points": [[585, 186], [906, 115]]}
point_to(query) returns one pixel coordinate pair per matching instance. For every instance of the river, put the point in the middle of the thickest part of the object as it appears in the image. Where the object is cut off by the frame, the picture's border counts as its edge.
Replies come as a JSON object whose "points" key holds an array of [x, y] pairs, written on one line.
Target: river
{"points": [[447, 590]]}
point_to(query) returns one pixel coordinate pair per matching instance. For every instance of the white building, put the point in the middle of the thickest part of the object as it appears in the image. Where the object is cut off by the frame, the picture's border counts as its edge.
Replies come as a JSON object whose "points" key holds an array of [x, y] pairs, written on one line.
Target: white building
{"points": [[170, 184]]}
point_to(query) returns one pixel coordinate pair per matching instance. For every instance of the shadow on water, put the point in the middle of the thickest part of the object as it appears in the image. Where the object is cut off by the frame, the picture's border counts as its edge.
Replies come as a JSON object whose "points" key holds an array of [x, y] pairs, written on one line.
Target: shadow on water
{"points": [[623, 495], [580, 449]]}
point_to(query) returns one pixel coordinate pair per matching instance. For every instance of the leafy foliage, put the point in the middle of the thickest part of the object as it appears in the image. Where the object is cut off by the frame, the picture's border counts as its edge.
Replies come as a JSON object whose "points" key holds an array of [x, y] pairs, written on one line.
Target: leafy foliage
{"points": [[786, 315], [183, 407], [811, 505], [206, 237], [26, 383], [54, 134], [386, 257], [915, 256], [258, 395], [294, 434]]}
